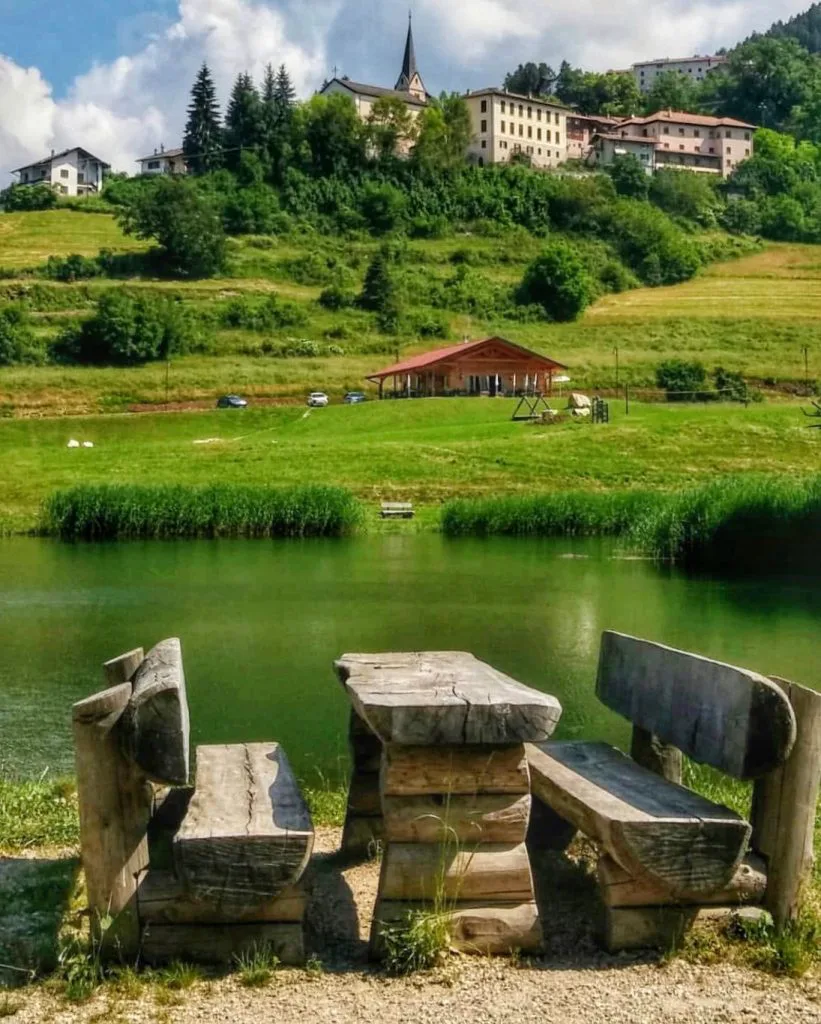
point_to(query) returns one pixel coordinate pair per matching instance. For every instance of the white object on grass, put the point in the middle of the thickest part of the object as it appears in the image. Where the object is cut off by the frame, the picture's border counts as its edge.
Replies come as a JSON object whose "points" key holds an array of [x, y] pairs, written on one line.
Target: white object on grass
{"points": [[88, 444], [73, 444]]}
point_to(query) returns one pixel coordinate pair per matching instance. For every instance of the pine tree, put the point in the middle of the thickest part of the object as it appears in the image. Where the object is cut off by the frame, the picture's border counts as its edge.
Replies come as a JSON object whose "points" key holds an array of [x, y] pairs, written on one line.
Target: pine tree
{"points": [[279, 102], [269, 85], [244, 126], [202, 143], [285, 92]]}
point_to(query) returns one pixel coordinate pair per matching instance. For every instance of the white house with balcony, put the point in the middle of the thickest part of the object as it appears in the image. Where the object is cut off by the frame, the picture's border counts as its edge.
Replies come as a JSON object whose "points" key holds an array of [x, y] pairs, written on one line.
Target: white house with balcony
{"points": [[74, 172], [164, 161]]}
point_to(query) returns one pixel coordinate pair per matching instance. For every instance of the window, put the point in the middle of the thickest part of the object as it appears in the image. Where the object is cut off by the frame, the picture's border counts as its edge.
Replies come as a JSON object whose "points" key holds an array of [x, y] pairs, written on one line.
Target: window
{"points": [[666, 145], [484, 126], [540, 152], [712, 149], [503, 128], [64, 173], [538, 115], [644, 132], [484, 143], [681, 131], [557, 118], [521, 129], [681, 147], [529, 132], [530, 112], [728, 134], [666, 130], [728, 151], [484, 106], [81, 178], [557, 138], [521, 110], [153, 165], [503, 106], [547, 135], [747, 136], [696, 133], [746, 152], [539, 134]]}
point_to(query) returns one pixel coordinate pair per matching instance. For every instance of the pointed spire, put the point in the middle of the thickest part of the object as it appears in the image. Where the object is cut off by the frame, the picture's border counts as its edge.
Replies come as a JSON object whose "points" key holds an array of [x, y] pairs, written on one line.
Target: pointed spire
{"points": [[409, 68]]}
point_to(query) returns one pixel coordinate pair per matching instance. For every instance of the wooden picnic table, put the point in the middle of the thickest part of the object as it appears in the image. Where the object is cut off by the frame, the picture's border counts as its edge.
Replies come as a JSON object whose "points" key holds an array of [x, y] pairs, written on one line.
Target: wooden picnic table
{"points": [[441, 779]]}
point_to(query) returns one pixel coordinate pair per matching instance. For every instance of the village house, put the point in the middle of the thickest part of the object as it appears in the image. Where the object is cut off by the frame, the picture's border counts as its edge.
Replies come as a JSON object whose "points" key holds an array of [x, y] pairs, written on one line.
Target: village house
{"points": [[693, 68], [73, 172], [672, 138], [506, 123], [491, 367], [580, 131], [164, 161], [409, 88]]}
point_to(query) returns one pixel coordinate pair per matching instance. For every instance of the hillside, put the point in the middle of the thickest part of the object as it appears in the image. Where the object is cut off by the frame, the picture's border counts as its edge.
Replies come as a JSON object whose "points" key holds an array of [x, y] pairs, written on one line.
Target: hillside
{"points": [[752, 314], [805, 27]]}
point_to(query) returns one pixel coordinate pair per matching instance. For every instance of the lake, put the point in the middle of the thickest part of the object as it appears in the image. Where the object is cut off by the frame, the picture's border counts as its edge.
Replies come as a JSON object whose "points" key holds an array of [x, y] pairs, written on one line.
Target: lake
{"points": [[261, 623]]}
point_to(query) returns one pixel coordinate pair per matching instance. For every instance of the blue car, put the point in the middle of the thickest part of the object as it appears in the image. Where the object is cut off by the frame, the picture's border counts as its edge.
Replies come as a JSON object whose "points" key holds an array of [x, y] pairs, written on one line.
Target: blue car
{"points": [[354, 397], [231, 402]]}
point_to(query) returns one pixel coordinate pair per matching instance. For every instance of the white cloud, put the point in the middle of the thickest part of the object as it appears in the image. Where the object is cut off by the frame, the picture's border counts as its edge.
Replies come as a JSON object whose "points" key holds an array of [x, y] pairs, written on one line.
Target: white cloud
{"points": [[132, 104]]}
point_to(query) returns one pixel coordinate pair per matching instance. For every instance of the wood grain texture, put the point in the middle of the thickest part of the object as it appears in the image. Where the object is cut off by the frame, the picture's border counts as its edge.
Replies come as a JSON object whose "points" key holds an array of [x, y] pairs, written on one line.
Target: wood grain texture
{"points": [[784, 809], [648, 825], [466, 819], [115, 803], [444, 697], [663, 927], [491, 871], [162, 899], [154, 728], [483, 928], [362, 837], [122, 668], [247, 833], [661, 758], [419, 771], [619, 889], [221, 943], [731, 718]]}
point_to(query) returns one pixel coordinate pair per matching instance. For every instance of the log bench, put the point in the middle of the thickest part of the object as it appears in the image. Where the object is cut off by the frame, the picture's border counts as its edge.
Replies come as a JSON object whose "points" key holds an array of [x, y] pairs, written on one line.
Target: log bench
{"points": [[200, 869], [396, 510], [669, 856]]}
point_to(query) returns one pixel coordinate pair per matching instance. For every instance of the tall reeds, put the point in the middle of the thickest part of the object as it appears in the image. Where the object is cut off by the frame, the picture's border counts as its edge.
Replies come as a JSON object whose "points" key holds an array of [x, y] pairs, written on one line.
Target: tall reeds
{"points": [[224, 510], [749, 523]]}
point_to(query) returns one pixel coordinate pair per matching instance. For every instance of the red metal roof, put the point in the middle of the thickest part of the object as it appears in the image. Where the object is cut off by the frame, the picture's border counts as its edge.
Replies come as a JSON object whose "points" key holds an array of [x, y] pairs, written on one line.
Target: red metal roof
{"points": [[439, 355]]}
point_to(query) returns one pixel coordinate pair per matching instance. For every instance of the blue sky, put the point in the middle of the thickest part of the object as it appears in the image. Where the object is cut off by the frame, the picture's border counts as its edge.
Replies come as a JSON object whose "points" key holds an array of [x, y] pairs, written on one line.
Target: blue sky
{"points": [[114, 75]]}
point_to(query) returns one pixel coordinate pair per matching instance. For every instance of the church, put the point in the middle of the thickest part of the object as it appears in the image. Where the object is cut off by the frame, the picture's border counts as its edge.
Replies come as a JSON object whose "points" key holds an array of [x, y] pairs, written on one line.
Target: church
{"points": [[409, 86]]}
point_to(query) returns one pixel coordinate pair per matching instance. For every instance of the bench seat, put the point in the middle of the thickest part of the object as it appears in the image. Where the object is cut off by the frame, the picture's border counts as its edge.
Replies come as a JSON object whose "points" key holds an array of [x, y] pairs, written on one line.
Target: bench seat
{"points": [[651, 827], [396, 510]]}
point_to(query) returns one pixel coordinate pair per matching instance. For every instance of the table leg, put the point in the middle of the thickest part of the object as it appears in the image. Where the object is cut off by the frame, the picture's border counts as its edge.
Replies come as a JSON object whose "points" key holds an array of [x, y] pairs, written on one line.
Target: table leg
{"points": [[363, 819], [455, 824]]}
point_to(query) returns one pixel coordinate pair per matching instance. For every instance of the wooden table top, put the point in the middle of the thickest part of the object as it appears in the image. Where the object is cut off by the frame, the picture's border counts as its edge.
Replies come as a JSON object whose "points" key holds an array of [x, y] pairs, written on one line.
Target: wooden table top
{"points": [[444, 698]]}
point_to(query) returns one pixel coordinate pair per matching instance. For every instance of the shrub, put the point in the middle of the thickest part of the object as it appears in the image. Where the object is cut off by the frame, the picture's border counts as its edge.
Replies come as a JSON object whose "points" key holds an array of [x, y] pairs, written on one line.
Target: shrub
{"points": [[21, 198], [17, 341], [649, 243], [558, 281], [742, 217], [682, 380], [629, 176], [336, 298], [615, 277], [127, 329], [428, 325], [686, 194], [71, 268], [252, 314], [383, 207], [730, 385]]}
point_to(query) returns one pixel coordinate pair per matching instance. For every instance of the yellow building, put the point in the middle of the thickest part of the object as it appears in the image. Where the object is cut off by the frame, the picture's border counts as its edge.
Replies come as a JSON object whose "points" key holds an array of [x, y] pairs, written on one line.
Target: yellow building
{"points": [[506, 123]]}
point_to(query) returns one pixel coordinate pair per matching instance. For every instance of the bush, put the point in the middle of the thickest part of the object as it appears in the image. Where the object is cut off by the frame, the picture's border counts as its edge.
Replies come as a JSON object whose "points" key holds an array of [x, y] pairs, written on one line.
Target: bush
{"points": [[741, 217], [649, 243], [184, 223], [615, 277], [383, 207], [686, 194], [127, 330], [252, 314], [428, 325], [682, 380], [730, 385], [22, 198], [336, 298], [629, 176], [72, 268], [558, 281], [17, 340]]}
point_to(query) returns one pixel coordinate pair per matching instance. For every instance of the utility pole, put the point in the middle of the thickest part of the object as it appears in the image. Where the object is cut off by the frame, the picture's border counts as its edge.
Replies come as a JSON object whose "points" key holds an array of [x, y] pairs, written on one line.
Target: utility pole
{"points": [[167, 374], [626, 401], [616, 354], [806, 350]]}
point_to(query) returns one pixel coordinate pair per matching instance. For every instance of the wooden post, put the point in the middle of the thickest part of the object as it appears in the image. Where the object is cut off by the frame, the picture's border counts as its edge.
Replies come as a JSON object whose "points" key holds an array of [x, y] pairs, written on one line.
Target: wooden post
{"points": [[122, 668], [784, 806], [662, 758], [115, 802], [363, 819]]}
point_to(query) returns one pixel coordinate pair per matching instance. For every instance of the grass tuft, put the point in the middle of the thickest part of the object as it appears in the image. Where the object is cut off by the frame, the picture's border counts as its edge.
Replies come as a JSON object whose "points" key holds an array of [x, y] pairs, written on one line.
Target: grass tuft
{"points": [[256, 966], [224, 510]]}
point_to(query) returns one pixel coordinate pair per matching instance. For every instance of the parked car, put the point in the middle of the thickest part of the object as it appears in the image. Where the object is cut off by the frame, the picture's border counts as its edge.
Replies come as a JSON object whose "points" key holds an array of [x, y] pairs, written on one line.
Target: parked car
{"points": [[231, 402], [355, 397], [316, 399]]}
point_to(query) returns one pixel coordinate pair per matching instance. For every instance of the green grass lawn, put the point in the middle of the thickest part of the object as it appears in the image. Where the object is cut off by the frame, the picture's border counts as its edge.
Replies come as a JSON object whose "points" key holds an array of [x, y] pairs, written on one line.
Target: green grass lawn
{"points": [[424, 450], [27, 239]]}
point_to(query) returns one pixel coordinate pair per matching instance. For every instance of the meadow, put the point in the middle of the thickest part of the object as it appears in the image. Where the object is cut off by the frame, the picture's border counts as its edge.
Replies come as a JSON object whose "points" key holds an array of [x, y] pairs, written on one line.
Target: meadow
{"points": [[425, 451], [756, 314]]}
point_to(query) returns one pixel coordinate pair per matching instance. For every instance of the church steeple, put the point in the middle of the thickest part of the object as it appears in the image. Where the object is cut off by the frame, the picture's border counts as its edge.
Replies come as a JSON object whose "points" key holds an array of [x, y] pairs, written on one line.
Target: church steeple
{"points": [[410, 80]]}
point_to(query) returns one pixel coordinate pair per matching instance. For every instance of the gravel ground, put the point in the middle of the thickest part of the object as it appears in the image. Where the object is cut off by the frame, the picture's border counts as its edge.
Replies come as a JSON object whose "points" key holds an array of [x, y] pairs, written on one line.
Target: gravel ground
{"points": [[574, 983]]}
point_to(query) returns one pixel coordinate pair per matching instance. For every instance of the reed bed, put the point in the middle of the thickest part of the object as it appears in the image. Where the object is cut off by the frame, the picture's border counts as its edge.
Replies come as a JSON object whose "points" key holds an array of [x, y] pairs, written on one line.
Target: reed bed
{"points": [[744, 523], [554, 514], [227, 510]]}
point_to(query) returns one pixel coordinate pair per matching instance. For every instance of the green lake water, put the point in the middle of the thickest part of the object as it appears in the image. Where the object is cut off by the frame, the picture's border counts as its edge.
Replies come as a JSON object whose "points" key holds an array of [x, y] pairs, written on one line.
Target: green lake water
{"points": [[261, 623]]}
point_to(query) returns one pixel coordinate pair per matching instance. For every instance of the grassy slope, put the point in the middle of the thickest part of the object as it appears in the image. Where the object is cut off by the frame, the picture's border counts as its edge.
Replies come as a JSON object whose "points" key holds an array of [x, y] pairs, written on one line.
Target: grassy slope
{"points": [[752, 314], [424, 450]]}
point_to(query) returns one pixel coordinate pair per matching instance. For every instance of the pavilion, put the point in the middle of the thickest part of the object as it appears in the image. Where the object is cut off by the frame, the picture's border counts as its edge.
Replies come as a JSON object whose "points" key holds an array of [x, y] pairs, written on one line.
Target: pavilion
{"points": [[492, 366]]}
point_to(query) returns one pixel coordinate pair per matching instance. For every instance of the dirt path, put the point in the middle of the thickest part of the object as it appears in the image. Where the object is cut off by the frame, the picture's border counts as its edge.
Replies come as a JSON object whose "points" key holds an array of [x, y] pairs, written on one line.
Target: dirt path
{"points": [[576, 983]]}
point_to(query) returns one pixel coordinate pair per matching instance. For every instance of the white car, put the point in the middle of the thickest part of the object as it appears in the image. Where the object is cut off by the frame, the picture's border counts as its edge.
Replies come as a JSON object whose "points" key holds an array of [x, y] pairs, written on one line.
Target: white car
{"points": [[316, 399]]}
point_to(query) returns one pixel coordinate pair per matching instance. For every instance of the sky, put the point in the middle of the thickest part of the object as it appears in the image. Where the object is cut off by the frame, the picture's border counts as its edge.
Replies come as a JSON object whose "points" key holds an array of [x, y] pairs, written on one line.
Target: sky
{"points": [[114, 76]]}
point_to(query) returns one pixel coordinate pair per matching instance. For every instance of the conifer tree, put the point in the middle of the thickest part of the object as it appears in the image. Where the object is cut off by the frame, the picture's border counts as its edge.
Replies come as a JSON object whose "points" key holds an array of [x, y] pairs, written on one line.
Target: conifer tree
{"points": [[244, 125], [285, 92], [279, 99], [202, 143]]}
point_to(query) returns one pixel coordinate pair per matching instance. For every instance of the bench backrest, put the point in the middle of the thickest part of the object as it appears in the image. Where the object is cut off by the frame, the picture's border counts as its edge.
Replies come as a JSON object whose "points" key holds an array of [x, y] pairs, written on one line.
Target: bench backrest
{"points": [[403, 506], [731, 718]]}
